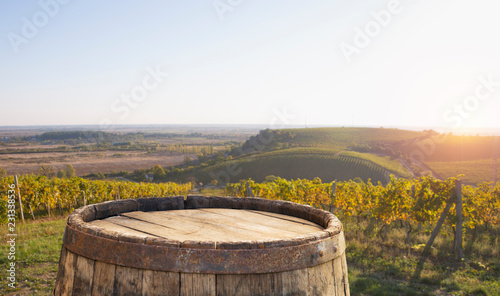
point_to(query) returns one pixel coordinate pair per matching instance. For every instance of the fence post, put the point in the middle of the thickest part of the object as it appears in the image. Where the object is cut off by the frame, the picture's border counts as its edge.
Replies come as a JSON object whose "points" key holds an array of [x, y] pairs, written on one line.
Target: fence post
{"points": [[435, 232], [249, 190], [334, 189], [31, 211], [458, 207], [19, 197]]}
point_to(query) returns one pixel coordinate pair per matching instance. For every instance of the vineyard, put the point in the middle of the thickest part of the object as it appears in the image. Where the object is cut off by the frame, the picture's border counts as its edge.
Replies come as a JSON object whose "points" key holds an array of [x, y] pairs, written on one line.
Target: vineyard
{"points": [[341, 137], [41, 195], [385, 227], [413, 203], [474, 171], [328, 164]]}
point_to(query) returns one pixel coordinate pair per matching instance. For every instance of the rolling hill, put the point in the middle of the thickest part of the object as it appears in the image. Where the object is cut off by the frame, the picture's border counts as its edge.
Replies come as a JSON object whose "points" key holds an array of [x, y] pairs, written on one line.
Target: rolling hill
{"points": [[348, 153], [309, 163]]}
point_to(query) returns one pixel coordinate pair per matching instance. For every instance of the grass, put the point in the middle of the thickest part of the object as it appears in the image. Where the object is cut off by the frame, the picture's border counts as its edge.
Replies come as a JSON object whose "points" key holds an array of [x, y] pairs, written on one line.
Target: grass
{"points": [[386, 265], [377, 265], [474, 171], [37, 256]]}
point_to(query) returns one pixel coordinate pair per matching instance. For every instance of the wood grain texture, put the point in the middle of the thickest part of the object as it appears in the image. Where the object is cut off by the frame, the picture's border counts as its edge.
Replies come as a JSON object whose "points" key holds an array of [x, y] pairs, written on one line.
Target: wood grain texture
{"points": [[345, 276], [128, 281], [295, 282], [160, 283], [147, 283], [118, 228], [197, 284], [279, 222], [66, 273], [232, 228], [287, 218], [222, 225], [170, 230], [321, 279], [84, 274], [250, 284], [338, 276], [104, 279]]}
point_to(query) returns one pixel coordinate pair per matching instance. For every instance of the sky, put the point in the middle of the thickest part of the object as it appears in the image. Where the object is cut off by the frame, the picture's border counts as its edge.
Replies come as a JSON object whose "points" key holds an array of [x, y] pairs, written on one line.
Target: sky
{"points": [[277, 63]]}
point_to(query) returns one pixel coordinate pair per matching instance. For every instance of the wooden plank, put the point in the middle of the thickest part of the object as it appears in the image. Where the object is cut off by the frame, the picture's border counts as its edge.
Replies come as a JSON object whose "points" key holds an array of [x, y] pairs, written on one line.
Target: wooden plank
{"points": [[173, 229], [435, 232], [104, 279], [109, 225], [287, 218], [250, 284], [321, 280], [160, 283], [338, 276], [345, 276], [235, 225], [189, 232], [295, 282], [197, 284], [166, 283], [147, 283], [84, 275], [191, 228], [256, 218], [458, 208], [128, 281], [60, 271], [66, 273], [222, 225]]}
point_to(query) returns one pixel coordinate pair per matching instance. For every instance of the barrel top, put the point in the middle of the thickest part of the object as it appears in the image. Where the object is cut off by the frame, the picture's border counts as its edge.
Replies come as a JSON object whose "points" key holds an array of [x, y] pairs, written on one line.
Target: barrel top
{"points": [[209, 224], [205, 234]]}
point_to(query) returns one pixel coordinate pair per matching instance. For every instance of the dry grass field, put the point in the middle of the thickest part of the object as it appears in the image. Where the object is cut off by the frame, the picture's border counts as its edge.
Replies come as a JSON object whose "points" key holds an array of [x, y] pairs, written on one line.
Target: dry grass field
{"points": [[89, 162]]}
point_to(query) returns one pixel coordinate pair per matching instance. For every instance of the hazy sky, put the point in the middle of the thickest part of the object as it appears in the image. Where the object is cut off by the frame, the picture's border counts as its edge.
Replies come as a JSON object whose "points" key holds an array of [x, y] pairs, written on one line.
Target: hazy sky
{"points": [[382, 63]]}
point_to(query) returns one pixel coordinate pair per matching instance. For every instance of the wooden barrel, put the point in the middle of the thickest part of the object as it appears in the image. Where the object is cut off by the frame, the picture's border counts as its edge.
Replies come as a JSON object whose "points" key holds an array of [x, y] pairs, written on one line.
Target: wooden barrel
{"points": [[202, 246]]}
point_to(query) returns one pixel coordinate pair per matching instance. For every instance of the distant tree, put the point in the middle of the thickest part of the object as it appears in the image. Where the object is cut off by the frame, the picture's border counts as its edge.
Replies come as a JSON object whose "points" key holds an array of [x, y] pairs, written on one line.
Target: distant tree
{"points": [[47, 170], [101, 176], [214, 182], [3, 173], [270, 178], [192, 180], [187, 160], [158, 172], [69, 171], [61, 174], [358, 180]]}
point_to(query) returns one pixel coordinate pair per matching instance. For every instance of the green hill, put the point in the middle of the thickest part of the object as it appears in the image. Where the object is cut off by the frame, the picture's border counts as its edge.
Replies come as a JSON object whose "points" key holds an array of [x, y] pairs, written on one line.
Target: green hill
{"points": [[327, 164], [374, 140], [341, 138], [453, 147], [347, 153]]}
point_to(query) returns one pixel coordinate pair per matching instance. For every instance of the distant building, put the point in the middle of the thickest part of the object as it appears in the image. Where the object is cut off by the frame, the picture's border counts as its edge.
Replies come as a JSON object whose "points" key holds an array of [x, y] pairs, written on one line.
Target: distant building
{"points": [[149, 177]]}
